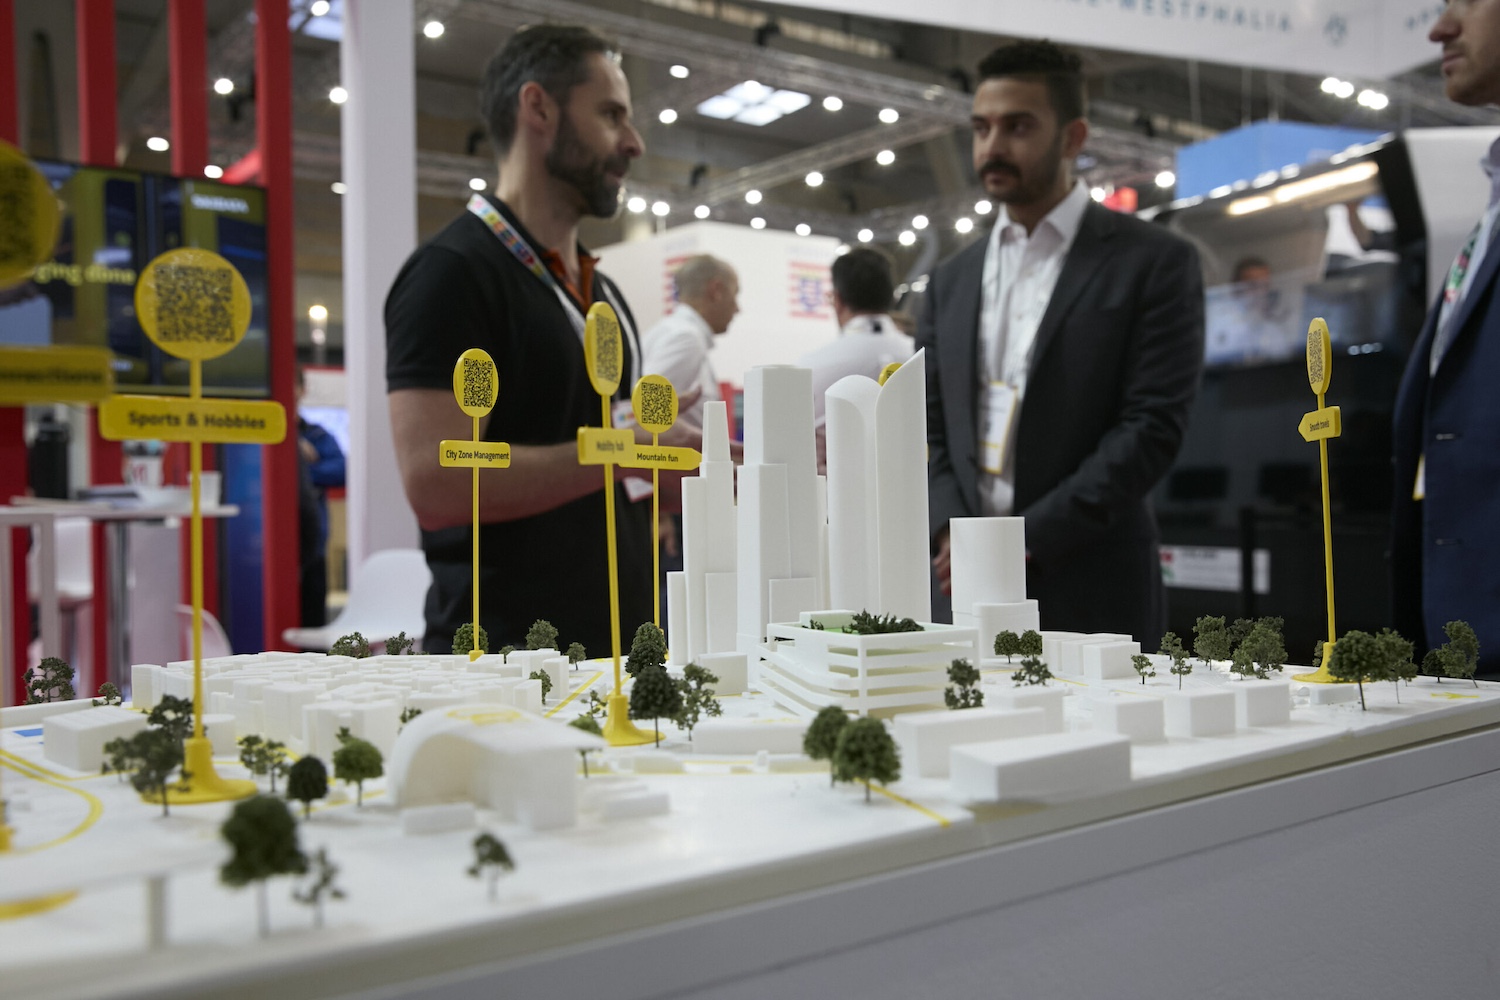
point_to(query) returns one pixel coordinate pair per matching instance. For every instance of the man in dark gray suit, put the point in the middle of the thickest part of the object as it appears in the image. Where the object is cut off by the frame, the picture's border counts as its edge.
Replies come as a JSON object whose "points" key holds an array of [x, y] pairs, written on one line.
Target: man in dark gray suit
{"points": [[1445, 546], [1063, 353]]}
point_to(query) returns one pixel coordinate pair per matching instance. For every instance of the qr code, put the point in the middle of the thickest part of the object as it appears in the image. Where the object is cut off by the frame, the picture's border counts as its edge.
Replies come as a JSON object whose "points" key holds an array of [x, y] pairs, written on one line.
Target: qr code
{"points": [[16, 220], [1315, 355], [193, 304], [656, 405], [607, 349], [479, 382]]}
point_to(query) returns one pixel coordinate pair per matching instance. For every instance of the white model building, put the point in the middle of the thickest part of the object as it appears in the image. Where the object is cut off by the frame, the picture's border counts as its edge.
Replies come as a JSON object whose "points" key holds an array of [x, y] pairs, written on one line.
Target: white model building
{"points": [[989, 579], [702, 608]]}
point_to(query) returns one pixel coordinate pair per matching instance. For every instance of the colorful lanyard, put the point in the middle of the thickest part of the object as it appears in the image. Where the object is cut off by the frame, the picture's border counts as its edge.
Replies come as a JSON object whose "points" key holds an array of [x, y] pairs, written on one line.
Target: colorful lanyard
{"points": [[1460, 267]]}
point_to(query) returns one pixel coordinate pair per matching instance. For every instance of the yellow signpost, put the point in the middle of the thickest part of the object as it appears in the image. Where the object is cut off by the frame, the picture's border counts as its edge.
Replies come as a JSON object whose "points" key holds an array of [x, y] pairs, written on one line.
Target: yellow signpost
{"points": [[31, 216], [194, 305], [655, 404], [1320, 425], [476, 386]]}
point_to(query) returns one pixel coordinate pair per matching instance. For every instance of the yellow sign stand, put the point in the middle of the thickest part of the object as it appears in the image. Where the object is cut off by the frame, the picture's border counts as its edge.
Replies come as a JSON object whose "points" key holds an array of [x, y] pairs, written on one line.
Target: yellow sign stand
{"points": [[60, 374], [1320, 425], [602, 350], [32, 216], [194, 305], [476, 386], [655, 403]]}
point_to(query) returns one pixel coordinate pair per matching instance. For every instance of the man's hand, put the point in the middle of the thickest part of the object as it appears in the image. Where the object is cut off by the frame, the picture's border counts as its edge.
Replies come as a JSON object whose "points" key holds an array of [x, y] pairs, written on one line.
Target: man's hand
{"points": [[942, 564], [666, 525]]}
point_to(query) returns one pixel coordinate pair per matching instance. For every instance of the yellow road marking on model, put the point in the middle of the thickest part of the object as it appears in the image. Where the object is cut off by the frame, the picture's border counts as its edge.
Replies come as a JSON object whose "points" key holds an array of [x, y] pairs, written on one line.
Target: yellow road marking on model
{"points": [[591, 682], [941, 820], [96, 808], [39, 769]]}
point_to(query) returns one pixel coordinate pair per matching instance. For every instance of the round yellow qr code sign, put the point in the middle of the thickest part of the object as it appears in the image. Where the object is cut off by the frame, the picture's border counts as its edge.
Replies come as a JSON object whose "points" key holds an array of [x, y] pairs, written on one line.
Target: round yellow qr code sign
{"points": [[193, 304]]}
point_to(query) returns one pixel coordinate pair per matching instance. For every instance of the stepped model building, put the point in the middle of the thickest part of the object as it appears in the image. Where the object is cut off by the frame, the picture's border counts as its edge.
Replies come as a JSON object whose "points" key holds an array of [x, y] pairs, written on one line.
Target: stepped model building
{"points": [[989, 579], [702, 608]]}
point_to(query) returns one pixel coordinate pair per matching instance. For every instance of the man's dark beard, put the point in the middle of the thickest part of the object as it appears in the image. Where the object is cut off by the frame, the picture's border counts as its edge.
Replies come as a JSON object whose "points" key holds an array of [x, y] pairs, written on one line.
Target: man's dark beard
{"points": [[1036, 186], [568, 160]]}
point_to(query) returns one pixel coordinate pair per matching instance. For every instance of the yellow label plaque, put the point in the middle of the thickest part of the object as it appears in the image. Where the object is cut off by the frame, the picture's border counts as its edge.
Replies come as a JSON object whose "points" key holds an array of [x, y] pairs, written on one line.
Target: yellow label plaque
{"points": [[192, 303], [476, 384], [1319, 356], [222, 421], [655, 403], [888, 371], [1321, 424], [602, 349], [474, 455], [604, 445], [55, 375], [29, 213], [660, 456]]}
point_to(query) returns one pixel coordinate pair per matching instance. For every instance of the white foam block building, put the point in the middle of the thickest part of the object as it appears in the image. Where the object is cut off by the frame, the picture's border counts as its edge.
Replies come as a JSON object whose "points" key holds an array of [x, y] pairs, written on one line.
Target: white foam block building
{"points": [[989, 580], [878, 555], [702, 607]]}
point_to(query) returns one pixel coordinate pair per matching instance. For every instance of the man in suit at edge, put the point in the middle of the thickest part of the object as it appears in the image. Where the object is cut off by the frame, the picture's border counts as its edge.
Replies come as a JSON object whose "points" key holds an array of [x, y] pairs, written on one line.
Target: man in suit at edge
{"points": [[1063, 353], [1445, 540]]}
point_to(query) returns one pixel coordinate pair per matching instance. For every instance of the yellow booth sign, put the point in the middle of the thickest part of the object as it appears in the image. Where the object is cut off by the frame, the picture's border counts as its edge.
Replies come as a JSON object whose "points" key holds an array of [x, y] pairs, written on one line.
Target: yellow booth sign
{"points": [[220, 421]]}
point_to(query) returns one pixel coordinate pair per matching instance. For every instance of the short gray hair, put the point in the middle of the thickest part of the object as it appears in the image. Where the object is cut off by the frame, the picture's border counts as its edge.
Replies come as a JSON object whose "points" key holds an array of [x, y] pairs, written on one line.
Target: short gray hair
{"points": [[693, 276]]}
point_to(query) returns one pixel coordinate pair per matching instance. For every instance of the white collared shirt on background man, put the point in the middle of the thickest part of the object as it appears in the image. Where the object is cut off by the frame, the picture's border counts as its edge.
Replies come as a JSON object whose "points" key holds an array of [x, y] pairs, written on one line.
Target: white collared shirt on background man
{"points": [[1020, 272], [865, 345], [677, 346]]}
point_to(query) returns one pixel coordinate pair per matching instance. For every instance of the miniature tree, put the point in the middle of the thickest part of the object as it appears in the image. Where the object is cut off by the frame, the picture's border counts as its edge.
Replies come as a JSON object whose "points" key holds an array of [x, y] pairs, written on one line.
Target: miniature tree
{"points": [[463, 640], [262, 833], [654, 696], [865, 623], [356, 761], [963, 686], [505, 651], [1359, 657], [1031, 671], [1460, 654], [118, 757], [307, 780], [151, 756], [1261, 652], [588, 724], [576, 655], [173, 715], [866, 752], [1238, 630], [822, 736], [257, 756], [816, 625], [108, 695], [1398, 665], [598, 707], [1031, 643], [1143, 666], [490, 859], [1211, 639], [541, 675], [697, 697], [396, 645], [321, 884], [1172, 647], [1007, 644], [541, 635], [353, 644], [648, 648], [407, 714], [48, 681]]}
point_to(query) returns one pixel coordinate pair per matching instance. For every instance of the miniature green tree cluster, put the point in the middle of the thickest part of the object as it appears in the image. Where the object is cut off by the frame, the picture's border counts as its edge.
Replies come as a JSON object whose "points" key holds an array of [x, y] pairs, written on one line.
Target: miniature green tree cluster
{"points": [[1032, 671], [50, 680], [865, 623], [1458, 657], [648, 648], [1010, 645], [963, 686], [262, 757], [1254, 648], [1359, 657], [354, 644], [856, 749], [355, 762]]}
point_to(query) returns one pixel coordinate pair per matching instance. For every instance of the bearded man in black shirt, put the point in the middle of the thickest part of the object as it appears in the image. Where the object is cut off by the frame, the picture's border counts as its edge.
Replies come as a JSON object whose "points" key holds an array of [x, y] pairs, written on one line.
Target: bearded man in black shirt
{"points": [[509, 276]]}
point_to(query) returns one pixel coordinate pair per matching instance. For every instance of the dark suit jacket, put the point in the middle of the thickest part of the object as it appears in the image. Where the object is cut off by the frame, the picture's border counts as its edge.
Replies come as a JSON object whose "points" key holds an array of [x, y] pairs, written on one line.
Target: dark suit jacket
{"points": [[1445, 550], [1114, 369]]}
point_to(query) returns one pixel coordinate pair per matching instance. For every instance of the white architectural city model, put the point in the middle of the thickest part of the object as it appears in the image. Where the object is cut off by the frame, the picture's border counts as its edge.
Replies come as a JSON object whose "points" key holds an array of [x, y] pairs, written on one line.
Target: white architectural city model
{"points": [[777, 559]]}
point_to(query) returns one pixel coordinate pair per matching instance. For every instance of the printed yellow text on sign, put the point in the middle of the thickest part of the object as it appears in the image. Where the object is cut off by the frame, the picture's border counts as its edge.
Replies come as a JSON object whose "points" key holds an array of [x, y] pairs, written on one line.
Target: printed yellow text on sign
{"points": [[1321, 424], [655, 403], [602, 348], [55, 375], [476, 384], [1319, 356], [604, 445], [474, 455], [223, 421], [192, 303], [29, 216]]}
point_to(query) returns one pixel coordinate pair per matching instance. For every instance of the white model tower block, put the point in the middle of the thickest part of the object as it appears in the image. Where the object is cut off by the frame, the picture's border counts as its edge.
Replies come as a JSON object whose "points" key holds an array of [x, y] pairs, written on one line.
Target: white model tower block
{"points": [[705, 611], [1041, 768], [1142, 719], [779, 561], [877, 493], [926, 738], [989, 579], [76, 739], [1262, 703], [730, 669], [1106, 659], [1200, 712]]}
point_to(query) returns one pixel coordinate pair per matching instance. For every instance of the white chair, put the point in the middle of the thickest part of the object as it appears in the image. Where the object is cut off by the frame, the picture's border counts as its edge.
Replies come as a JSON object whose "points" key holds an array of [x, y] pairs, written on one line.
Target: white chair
{"points": [[215, 641], [74, 559], [386, 596]]}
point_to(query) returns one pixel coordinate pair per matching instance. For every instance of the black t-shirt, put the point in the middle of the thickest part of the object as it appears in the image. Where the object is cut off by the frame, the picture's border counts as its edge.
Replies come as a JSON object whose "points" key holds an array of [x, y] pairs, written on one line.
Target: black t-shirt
{"points": [[464, 289]]}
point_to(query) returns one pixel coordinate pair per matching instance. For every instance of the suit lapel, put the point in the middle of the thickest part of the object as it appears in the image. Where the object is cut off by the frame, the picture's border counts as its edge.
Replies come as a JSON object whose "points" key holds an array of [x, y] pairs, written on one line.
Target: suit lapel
{"points": [[1087, 253], [959, 355], [1483, 278]]}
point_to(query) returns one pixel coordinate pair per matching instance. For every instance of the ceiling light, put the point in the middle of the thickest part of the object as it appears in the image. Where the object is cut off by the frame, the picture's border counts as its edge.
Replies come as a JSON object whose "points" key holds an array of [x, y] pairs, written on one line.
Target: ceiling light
{"points": [[865, 236], [885, 157], [803, 229], [814, 179], [223, 85], [213, 171], [157, 144], [831, 103], [982, 207], [752, 197], [636, 204], [1374, 100], [317, 313], [919, 222], [338, 187], [477, 184], [1098, 194], [1345, 90], [907, 238], [667, 116], [338, 95], [757, 223], [753, 103], [1331, 84], [433, 29], [701, 212], [660, 209], [964, 225], [1166, 179], [680, 71], [890, 115], [319, 8]]}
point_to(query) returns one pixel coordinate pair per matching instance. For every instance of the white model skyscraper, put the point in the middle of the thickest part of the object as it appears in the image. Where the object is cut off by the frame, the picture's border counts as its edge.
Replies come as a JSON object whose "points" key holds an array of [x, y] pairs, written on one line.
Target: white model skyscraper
{"points": [[877, 494], [702, 611]]}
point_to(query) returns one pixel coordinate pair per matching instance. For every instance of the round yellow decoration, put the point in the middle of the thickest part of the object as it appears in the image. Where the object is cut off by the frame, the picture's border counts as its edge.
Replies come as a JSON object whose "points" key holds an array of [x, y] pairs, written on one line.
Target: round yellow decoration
{"points": [[1319, 356], [31, 215], [193, 304], [476, 383], [602, 348], [655, 403]]}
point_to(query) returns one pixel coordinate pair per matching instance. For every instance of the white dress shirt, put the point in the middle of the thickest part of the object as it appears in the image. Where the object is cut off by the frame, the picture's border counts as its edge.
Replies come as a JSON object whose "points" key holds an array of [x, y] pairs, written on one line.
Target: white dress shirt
{"points": [[677, 347], [1020, 272], [1482, 240], [865, 345]]}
